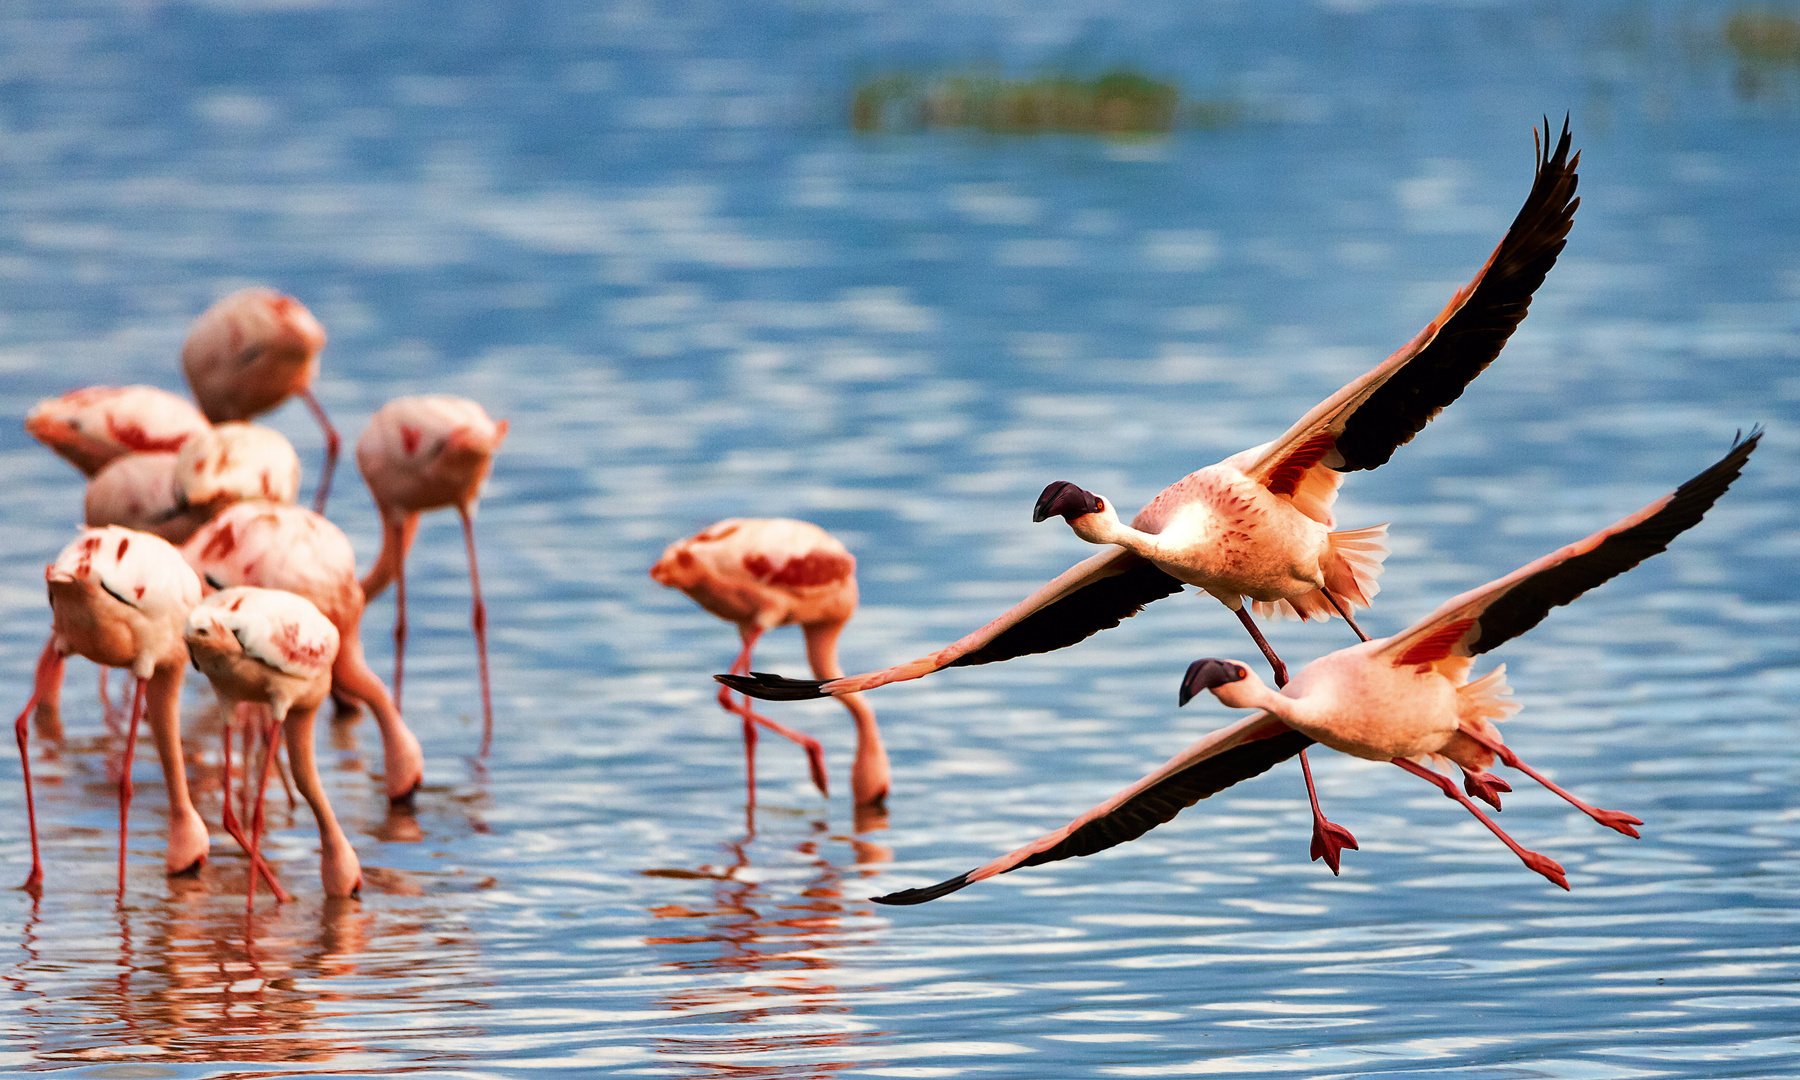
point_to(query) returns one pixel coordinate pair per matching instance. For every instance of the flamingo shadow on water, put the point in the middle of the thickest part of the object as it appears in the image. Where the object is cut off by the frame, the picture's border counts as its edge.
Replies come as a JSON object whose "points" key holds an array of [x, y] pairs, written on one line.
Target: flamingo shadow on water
{"points": [[1257, 526], [1405, 699]]}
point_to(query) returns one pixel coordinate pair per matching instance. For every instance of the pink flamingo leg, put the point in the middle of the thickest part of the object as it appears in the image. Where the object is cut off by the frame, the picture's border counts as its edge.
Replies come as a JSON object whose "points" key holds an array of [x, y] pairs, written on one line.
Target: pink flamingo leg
{"points": [[232, 826], [48, 716], [399, 626], [815, 751], [270, 731], [1548, 867], [1328, 838], [49, 670], [332, 444], [478, 619], [1612, 819], [125, 790]]}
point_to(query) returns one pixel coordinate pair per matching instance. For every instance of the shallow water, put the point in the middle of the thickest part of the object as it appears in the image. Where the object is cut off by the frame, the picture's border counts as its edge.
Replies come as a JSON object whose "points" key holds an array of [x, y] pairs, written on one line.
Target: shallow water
{"points": [[645, 235]]}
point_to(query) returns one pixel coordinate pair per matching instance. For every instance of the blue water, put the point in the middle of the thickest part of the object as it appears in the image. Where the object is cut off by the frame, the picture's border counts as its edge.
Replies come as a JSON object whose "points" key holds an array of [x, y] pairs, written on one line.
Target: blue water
{"points": [[645, 234]]}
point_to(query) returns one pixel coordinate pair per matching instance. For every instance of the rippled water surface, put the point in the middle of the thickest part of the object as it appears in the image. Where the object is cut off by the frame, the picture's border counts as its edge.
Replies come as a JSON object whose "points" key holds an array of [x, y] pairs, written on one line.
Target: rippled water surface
{"points": [[645, 234]]}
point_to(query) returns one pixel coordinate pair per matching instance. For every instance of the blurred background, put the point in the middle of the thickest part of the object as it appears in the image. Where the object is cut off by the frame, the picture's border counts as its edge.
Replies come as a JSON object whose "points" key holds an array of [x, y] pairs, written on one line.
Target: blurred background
{"points": [[892, 268]]}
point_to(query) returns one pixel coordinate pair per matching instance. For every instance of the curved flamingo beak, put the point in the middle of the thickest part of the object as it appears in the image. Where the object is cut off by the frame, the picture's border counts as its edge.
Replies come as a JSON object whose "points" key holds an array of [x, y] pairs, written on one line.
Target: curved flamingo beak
{"points": [[1208, 674], [1066, 500]]}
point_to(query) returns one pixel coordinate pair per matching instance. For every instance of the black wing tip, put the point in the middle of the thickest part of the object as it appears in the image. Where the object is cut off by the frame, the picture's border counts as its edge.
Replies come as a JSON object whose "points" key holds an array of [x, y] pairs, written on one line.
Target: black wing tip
{"points": [[908, 897], [768, 687]]}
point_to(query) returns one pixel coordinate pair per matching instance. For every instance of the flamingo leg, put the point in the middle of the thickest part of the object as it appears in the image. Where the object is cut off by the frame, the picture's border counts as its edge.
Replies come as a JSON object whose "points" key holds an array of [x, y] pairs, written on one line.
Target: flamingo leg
{"points": [[270, 731], [48, 693], [236, 830], [131, 733], [49, 672], [1612, 819], [478, 620], [1544, 865], [1343, 611], [815, 751], [332, 444], [1328, 837], [399, 627]]}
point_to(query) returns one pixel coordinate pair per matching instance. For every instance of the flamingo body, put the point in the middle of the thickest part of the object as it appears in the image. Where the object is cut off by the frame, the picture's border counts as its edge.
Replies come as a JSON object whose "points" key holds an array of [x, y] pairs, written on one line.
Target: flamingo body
{"points": [[93, 426], [761, 573], [234, 462], [275, 546], [138, 491], [420, 454], [275, 648], [1405, 699]]}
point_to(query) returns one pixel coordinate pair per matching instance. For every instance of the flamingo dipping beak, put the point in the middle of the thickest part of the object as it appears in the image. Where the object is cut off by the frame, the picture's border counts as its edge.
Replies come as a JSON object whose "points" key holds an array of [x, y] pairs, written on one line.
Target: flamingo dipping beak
{"points": [[1209, 674], [1066, 500]]}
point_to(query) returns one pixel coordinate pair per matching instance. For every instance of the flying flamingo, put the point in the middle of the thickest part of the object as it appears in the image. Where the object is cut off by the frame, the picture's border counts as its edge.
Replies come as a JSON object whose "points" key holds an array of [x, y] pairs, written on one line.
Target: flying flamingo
{"points": [[120, 598], [1405, 699], [274, 546], [761, 573], [90, 427], [419, 454], [1257, 526], [252, 351], [275, 648]]}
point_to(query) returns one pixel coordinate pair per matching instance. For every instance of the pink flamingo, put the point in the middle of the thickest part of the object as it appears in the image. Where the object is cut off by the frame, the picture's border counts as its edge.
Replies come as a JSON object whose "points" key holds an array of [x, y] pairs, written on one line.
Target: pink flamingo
{"points": [[761, 573], [274, 648], [90, 427], [252, 351], [1405, 699], [173, 494], [273, 546], [120, 598], [419, 454], [1257, 526]]}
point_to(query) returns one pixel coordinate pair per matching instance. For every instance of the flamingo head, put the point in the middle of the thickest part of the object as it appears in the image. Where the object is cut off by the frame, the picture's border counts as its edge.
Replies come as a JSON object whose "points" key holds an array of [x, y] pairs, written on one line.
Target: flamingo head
{"points": [[1225, 678], [1065, 500]]}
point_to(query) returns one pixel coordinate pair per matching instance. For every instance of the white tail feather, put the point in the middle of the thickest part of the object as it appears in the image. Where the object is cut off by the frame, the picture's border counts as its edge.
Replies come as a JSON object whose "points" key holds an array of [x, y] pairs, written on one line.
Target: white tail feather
{"points": [[1352, 564]]}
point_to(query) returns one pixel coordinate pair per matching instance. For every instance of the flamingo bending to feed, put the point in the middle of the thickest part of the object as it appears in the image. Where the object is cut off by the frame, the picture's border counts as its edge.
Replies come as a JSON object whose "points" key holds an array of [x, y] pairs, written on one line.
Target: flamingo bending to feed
{"points": [[274, 648], [761, 573], [274, 546], [173, 494], [90, 427], [252, 351], [419, 454], [120, 598], [1257, 526], [1405, 699]]}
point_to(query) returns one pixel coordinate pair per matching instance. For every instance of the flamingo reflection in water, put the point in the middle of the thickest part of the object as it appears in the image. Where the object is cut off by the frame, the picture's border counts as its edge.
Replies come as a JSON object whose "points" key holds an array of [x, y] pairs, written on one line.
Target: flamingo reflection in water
{"points": [[776, 940], [1406, 699]]}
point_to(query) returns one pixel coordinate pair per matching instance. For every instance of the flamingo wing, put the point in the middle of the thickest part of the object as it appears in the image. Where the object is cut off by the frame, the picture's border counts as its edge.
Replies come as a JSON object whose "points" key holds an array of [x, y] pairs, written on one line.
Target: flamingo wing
{"points": [[1483, 618], [1245, 749], [1093, 595], [1361, 426]]}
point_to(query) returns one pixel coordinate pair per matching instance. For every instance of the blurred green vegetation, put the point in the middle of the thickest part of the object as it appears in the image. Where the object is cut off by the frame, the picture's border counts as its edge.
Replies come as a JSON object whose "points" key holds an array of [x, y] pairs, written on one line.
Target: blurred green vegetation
{"points": [[1765, 37], [1117, 102]]}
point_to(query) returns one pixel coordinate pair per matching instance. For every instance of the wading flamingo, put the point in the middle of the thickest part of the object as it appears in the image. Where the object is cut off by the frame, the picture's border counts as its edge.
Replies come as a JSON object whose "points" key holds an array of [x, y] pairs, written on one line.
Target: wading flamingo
{"points": [[419, 454], [90, 427], [761, 573], [173, 494], [120, 598], [274, 546], [252, 351], [1257, 526], [1405, 699], [274, 648]]}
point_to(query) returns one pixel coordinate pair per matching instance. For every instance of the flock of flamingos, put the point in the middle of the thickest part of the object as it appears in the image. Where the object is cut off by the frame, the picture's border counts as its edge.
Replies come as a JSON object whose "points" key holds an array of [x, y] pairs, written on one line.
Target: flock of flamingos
{"points": [[276, 631]]}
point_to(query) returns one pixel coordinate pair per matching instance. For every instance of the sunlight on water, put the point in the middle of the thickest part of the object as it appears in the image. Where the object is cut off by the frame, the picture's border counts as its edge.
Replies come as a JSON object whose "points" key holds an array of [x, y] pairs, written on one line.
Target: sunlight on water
{"points": [[651, 238]]}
